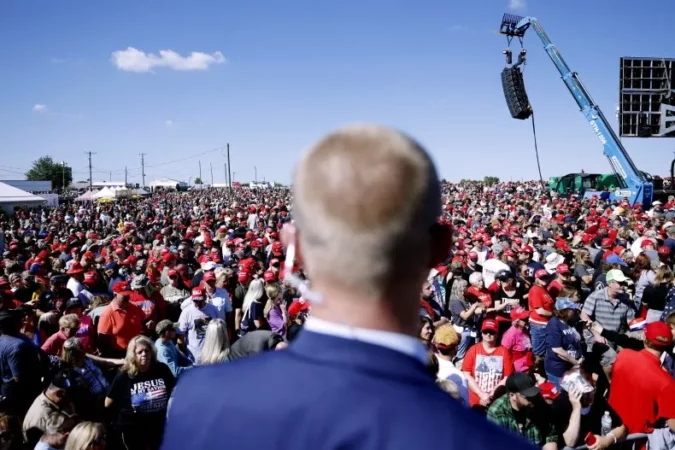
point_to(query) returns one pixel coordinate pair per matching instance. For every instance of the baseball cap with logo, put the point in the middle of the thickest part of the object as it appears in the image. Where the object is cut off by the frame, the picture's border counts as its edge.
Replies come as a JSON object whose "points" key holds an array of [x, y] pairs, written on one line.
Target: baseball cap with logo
{"points": [[563, 269], [549, 391], [198, 294], [542, 274], [659, 334], [122, 288], [490, 325]]}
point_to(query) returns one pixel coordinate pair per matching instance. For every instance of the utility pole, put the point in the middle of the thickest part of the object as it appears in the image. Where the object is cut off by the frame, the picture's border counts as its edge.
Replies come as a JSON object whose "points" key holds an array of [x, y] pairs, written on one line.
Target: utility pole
{"points": [[143, 168], [255, 171], [63, 176], [225, 169], [229, 168], [90, 180], [211, 164], [126, 182], [110, 177], [200, 172]]}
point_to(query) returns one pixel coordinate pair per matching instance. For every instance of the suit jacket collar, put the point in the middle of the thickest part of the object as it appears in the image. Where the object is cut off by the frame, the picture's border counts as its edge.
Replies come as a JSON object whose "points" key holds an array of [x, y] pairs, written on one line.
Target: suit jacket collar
{"points": [[342, 353]]}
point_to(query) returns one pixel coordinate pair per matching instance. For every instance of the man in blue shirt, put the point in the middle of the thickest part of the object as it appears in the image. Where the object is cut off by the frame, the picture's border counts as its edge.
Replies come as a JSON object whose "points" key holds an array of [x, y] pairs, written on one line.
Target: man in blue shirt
{"points": [[365, 201]]}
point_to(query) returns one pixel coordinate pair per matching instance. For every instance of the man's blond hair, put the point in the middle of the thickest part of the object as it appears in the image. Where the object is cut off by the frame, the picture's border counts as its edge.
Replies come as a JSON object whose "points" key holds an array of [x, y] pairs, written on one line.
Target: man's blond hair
{"points": [[365, 198]]}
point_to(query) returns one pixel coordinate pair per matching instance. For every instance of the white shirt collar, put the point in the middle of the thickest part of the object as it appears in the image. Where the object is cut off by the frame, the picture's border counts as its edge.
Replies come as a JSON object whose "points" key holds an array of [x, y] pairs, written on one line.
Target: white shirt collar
{"points": [[394, 341]]}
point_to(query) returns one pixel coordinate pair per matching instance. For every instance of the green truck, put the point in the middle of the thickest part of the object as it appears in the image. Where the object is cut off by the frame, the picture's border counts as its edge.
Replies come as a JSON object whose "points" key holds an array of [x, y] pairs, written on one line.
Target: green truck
{"points": [[579, 183]]}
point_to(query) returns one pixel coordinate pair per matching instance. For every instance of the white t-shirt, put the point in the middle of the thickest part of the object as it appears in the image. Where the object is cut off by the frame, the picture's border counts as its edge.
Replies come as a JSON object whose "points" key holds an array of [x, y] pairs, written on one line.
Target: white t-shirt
{"points": [[490, 268], [448, 371], [75, 286]]}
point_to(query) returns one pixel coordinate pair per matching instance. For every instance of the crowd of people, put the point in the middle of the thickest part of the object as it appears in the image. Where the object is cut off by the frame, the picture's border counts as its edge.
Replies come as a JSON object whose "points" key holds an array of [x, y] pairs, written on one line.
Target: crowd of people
{"points": [[551, 317]]}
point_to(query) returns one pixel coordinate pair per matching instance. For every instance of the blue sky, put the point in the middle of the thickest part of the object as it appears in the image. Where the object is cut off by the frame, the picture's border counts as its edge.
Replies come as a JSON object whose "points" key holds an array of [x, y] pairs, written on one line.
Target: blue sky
{"points": [[271, 77]]}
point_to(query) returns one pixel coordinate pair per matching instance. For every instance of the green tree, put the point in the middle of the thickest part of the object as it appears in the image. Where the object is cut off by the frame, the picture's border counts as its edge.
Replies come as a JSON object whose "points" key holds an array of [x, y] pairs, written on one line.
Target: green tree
{"points": [[46, 168], [491, 180], [198, 181]]}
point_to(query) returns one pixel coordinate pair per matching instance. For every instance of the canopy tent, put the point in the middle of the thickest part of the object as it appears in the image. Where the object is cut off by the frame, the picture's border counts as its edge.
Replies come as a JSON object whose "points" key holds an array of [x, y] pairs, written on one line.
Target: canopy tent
{"points": [[106, 192], [121, 192], [86, 197], [11, 197], [141, 192], [168, 183]]}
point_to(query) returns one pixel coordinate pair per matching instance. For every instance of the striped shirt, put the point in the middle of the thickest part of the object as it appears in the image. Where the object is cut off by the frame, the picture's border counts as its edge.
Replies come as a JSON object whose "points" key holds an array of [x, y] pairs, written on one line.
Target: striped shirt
{"points": [[613, 314]]}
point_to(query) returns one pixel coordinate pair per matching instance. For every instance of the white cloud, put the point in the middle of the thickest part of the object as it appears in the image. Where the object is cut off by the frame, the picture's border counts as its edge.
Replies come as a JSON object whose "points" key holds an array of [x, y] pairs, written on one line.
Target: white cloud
{"points": [[39, 108], [168, 123], [516, 4], [134, 60]]}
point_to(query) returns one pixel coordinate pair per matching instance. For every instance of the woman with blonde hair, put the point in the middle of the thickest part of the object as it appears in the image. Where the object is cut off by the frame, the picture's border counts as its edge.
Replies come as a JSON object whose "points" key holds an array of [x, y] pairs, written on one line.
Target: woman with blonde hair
{"points": [[253, 314], [216, 343], [275, 310], [139, 395], [87, 436]]}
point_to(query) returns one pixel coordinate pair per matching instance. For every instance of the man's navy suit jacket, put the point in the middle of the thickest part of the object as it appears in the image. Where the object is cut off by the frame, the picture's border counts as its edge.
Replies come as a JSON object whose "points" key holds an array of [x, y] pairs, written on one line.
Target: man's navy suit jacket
{"points": [[324, 392]]}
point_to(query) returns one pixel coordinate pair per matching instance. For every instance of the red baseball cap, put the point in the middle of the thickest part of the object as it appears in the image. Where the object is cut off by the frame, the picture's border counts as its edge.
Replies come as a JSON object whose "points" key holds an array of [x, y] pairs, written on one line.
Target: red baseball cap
{"points": [[269, 276], [563, 269], [122, 288], [243, 275], [198, 294], [172, 273], [297, 307], [490, 324], [659, 334], [473, 255], [646, 242], [527, 249], [548, 390], [519, 313], [664, 251], [542, 274]]}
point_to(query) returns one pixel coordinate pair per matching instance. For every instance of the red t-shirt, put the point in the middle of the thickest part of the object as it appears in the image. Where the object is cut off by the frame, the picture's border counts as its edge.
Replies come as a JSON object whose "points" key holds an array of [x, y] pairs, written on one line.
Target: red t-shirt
{"points": [[640, 397], [488, 369], [476, 295], [54, 344], [539, 298]]}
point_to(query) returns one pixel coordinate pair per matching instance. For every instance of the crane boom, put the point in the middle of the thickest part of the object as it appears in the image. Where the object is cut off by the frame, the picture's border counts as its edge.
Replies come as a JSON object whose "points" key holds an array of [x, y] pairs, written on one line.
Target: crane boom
{"points": [[635, 186]]}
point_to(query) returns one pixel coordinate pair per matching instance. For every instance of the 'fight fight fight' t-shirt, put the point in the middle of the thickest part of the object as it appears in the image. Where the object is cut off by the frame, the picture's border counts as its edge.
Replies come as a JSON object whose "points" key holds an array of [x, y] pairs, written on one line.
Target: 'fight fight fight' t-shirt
{"points": [[143, 399], [488, 369]]}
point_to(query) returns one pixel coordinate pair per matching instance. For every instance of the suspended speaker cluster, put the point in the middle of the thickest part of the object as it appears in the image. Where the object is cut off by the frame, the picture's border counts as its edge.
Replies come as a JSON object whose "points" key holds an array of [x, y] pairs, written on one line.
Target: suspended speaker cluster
{"points": [[514, 92]]}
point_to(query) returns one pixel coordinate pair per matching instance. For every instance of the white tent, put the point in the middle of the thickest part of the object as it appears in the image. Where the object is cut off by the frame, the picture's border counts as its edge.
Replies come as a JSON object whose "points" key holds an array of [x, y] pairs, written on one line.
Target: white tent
{"points": [[86, 197], [10, 197], [103, 193]]}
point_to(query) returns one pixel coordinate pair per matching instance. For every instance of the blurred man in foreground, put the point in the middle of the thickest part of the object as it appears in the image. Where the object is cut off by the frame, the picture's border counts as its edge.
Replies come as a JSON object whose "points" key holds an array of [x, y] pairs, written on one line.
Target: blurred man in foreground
{"points": [[366, 200]]}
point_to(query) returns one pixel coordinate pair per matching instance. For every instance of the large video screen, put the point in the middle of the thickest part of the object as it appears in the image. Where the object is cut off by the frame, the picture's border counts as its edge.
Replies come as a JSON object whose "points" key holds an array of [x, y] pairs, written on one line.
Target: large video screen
{"points": [[647, 99]]}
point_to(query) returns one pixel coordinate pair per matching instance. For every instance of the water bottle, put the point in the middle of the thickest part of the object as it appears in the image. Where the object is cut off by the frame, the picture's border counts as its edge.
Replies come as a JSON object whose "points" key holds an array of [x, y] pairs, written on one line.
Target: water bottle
{"points": [[606, 424]]}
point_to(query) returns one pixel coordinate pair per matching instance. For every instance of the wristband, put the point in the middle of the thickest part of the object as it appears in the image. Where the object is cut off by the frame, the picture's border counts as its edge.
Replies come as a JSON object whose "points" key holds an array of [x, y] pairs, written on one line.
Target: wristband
{"points": [[613, 435]]}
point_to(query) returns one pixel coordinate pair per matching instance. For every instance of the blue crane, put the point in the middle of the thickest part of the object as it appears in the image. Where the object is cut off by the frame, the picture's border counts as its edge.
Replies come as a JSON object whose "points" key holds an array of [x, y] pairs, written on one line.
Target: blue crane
{"points": [[635, 185]]}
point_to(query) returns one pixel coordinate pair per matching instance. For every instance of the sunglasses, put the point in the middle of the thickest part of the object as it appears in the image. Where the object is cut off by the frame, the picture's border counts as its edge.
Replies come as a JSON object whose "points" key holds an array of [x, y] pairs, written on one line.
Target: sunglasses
{"points": [[489, 332]]}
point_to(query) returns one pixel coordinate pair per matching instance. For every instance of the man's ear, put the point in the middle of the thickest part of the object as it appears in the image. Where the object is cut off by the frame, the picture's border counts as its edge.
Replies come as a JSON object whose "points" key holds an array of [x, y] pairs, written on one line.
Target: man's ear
{"points": [[288, 236], [441, 240]]}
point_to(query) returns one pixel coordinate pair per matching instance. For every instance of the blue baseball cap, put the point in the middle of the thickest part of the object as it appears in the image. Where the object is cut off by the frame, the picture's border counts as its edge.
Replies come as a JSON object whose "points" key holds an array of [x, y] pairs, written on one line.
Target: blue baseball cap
{"points": [[615, 259], [566, 303], [110, 266]]}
